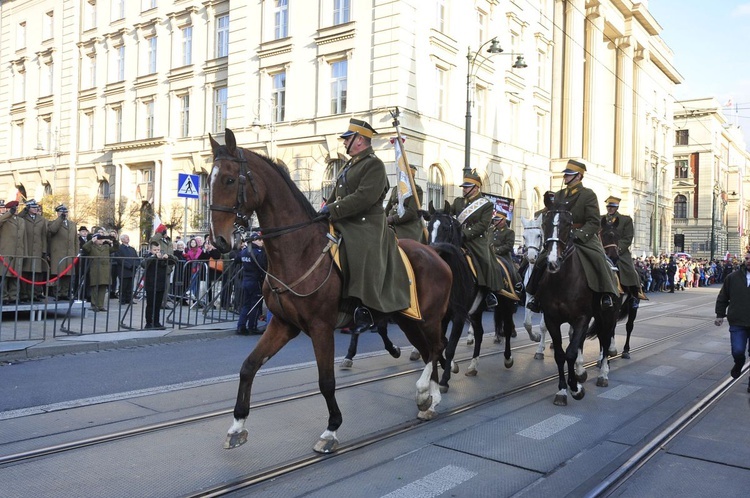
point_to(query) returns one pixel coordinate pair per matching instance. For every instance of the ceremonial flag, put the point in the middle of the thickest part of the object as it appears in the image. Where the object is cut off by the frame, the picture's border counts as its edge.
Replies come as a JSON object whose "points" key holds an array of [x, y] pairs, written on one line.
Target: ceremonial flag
{"points": [[404, 184], [157, 222]]}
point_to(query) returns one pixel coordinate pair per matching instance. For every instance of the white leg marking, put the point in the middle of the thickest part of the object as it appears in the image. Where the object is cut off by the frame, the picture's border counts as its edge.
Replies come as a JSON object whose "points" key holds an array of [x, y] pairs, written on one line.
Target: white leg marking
{"points": [[579, 363], [237, 426]]}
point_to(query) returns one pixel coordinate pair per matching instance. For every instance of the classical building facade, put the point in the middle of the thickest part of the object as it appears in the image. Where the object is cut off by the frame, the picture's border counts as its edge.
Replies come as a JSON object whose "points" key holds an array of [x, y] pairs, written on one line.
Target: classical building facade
{"points": [[711, 184], [107, 101]]}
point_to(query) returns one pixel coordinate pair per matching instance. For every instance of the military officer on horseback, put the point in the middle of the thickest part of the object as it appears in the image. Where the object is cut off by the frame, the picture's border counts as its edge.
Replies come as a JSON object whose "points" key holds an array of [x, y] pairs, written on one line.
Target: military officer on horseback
{"points": [[409, 225], [503, 239], [584, 207], [623, 225], [375, 279], [474, 212]]}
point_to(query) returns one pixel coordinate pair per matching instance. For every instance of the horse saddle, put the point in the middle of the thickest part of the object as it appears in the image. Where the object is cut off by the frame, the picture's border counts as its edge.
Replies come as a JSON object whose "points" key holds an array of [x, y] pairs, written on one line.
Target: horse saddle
{"points": [[506, 276], [413, 310]]}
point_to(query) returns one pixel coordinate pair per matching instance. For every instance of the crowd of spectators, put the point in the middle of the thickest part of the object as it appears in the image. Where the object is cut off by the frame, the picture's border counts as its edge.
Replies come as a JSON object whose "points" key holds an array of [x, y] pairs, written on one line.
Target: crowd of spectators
{"points": [[668, 273]]}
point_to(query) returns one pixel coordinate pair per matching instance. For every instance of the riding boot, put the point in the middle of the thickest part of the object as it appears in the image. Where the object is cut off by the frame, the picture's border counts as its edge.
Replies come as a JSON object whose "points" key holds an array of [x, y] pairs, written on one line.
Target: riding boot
{"points": [[362, 319], [642, 296], [531, 288], [607, 300]]}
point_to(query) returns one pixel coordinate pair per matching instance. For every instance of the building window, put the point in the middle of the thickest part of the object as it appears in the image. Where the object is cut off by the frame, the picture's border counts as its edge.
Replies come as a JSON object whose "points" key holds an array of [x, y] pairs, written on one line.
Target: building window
{"points": [[48, 26], [541, 128], [222, 36], [329, 178], [187, 45], [118, 64], [184, 115], [278, 97], [89, 15], [90, 71], [19, 86], [148, 108], [21, 36], [681, 168], [435, 186], [87, 131], [681, 137], [151, 55], [17, 139], [104, 190], [440, 15], [481, 27], [340, 11], [441, 78], [47, 79], [44, 139], [680, 207], [116, 123], [118, 10], [480, 104], [220, 109], [338, 87], [148, 5], [281, 19]]}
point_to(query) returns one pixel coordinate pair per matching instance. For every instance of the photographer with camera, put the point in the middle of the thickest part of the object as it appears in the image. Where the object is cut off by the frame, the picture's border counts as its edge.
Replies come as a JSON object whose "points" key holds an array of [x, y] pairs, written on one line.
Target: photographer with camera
{"points": [[63, 245], [98, 250]]}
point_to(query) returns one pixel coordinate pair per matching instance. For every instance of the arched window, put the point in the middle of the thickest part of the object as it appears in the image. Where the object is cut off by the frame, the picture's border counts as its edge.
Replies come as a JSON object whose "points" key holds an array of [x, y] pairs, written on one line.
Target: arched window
{"points": [[508, 190], [536, 201], [329, 177], [435, 186], [104, 189], [680, 207], [47, 190]]}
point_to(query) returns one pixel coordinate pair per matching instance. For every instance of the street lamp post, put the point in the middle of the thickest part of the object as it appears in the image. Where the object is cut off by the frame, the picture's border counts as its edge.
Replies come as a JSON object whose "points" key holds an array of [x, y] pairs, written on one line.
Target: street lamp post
{"points": [[471, 72], [713, 220]]}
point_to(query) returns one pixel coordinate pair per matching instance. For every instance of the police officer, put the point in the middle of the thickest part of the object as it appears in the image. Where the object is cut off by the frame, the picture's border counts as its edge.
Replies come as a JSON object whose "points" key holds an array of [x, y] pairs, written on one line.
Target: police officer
{"points": [[623, 225], [375, 279], [583, 205], [35, 265], [254, 264], [13, 250], [408, 225], [63, 245]]}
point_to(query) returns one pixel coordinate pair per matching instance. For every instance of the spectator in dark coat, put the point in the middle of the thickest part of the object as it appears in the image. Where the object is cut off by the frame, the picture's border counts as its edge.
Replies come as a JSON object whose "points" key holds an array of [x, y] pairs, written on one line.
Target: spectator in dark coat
{"points": [[126, 262], [157, 267], [254, 265], [734, 295]]}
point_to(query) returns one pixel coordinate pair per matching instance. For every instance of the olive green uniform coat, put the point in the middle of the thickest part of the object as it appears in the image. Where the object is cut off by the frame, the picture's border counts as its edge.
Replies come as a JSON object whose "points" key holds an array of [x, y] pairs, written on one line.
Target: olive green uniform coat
{"points": [[370, 260], [503, 240], [584, 206], [628, 276], [410, 225], [12, 249], [476, 239], [36, 243], [63, 243], [99, 261]]}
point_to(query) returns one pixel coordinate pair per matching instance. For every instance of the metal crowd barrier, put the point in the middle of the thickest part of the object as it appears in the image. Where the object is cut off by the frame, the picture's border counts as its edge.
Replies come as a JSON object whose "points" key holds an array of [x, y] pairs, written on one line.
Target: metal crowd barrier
{"points": [[195, 296]]}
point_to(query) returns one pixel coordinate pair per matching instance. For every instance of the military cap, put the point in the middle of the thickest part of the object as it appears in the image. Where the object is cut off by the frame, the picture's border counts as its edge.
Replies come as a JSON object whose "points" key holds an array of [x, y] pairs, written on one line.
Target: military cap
{"points": [[11, 204], [359, 126], [31, 203], [2, 203], [574, 167], [499, 215], [613, 201], [82, 227], [61, 208], [472, 180], [161, 229]]}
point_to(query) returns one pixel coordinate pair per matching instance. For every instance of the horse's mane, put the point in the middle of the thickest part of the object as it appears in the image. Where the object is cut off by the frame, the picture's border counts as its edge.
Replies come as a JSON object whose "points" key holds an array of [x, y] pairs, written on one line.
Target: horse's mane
{"points": [[303, 201]]}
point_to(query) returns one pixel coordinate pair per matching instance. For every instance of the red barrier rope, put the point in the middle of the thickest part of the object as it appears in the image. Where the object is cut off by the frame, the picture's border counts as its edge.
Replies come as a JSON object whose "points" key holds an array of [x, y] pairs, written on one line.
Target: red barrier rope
{"points": [[33, 282]]}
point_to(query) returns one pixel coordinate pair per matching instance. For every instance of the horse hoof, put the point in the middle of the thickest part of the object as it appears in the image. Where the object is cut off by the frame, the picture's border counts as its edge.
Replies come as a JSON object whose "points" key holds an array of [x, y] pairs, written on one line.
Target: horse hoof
{"points": [[538, 356], [395, 352], [625, 355], [497, 339], [561, 400], [326, 446], [414, 356], [509, 362], [612, 351], [472, 372], [443, 388], [424, 402], [602, 382], [235, 439], [346, 363], [470, 341], [583, 376], [535, 337], [579, 395], [454, 367], [426, 414]]}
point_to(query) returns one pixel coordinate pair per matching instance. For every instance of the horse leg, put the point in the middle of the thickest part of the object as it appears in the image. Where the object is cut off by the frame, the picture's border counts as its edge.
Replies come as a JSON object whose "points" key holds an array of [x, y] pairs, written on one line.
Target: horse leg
{"points": [[323, 346], [605, 336], [561, 398], [579, 368], [476, 321], [348, 360], [632, 312], [574, 349], [504, 313], [450, 352], [539, 355], [533, 336], [275, 337], [470, 335], [392, 349]]}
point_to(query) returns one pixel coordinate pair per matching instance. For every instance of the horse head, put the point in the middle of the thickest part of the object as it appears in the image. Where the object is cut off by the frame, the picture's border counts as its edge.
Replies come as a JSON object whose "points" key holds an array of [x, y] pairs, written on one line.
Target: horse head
{"points": [[557, 227], [532, 237], [610, 238], [442, 227]]}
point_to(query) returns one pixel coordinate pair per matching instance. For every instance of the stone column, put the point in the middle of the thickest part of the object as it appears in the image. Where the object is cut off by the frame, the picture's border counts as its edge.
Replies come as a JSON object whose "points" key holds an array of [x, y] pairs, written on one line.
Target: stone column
{"points": [[624, 121], [592, 91], [572, 74]]}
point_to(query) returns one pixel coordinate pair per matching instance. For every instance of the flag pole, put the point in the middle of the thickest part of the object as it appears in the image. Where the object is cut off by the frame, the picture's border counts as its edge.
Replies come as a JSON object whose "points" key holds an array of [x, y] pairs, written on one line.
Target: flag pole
{"points": [[394, 114]]}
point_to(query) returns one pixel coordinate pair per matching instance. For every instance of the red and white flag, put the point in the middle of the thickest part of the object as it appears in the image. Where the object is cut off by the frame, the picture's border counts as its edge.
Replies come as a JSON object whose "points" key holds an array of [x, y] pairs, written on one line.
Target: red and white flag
{"points": [[404, 183]]}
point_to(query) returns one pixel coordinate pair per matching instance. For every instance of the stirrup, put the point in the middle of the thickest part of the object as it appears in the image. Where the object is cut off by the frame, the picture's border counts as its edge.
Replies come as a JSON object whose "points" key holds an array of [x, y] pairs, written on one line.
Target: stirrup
{"points": [[363, 318], [491, 300], [607, 302], [518, 287], [533, 305]]}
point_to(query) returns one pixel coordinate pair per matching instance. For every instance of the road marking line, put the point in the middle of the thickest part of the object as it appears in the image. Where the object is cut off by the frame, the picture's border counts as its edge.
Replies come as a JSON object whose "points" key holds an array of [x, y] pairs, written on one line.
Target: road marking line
{"points": [[435, 484], [619, 392], [662, 371], [549, 427]]}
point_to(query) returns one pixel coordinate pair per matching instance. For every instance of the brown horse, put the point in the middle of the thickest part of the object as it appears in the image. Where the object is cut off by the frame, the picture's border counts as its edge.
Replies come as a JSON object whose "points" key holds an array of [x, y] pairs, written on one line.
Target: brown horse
{"points": [[565, 296], [303, 287]]}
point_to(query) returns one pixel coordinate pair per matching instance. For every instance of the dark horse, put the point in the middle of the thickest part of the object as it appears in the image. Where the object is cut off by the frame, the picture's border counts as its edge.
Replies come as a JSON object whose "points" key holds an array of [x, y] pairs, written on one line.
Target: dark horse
{"points": [[382, 327], [565, 296], [444, 229], [302, 287], [610, 238]]}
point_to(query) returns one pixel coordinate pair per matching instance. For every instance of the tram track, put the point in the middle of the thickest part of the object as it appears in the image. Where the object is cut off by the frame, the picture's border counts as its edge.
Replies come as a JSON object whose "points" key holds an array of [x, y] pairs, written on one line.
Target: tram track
{"points": [[310, 460]]}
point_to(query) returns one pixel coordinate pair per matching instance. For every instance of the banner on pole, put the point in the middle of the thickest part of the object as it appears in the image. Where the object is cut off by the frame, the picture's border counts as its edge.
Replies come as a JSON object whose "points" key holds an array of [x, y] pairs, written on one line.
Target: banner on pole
{"points": [[404, 185]]}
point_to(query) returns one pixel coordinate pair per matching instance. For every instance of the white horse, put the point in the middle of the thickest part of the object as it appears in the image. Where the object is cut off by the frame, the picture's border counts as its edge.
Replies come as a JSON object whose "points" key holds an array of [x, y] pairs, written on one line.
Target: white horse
{"points": [[533, 239]]}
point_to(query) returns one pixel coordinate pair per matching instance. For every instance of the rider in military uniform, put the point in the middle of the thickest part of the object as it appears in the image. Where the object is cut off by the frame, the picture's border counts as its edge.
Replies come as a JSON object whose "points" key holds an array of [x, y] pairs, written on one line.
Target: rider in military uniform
{"points": [[375, 278], [584, 207], [410, 224], [503, 239], [628, 276], [474, 212]]}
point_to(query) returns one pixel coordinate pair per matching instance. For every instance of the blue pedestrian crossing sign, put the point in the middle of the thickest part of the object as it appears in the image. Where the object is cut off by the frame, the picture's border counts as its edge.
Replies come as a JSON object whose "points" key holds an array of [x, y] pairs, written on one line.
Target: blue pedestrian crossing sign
{"points": [[188, 186]]}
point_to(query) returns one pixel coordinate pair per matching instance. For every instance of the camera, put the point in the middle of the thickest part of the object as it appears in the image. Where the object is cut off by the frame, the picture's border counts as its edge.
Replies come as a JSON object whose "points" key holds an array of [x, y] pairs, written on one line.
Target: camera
{"points": [[105, 238]]}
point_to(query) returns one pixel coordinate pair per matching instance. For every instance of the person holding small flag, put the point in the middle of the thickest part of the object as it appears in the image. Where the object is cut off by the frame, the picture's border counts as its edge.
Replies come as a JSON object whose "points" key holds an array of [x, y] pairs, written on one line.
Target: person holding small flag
{"points": [[404, 217]]}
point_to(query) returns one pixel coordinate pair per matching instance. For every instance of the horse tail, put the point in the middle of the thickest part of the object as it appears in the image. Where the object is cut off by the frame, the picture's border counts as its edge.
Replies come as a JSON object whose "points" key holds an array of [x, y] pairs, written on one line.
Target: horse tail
{"points": [[463, 281]]}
